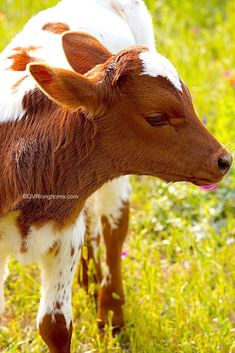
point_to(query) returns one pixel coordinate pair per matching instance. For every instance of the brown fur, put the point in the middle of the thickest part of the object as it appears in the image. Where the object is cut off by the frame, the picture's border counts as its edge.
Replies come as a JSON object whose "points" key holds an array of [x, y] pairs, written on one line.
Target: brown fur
{"points": [[83, 276], [21, 58], [85, 46], [56, 27], [55, 334], [112, 289], [111, 295], [56, 143], [18, 83], [72, 251], [83, 270]]}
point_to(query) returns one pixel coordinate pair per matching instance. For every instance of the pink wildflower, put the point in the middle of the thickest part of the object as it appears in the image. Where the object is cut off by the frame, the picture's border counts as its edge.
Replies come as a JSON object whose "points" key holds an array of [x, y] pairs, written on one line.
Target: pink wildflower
{"points": [[124, 254]]}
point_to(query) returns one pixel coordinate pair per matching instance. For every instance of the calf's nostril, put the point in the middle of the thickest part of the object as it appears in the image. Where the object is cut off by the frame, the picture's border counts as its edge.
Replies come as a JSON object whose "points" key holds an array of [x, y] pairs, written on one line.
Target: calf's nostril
{"points": [[225, 162]]}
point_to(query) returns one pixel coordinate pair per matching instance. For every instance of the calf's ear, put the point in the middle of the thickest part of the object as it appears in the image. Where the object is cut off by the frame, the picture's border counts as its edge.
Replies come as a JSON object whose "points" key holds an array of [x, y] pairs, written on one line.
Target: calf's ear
{"points": [[83, 51], [66, 88]]}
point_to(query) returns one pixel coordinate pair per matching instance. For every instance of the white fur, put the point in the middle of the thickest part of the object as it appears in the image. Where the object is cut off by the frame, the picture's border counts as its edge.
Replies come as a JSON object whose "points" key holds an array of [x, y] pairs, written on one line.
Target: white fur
{"points": [[155, 64], [107, 279], [11, 99], [58, 272], [108, 201], [117, 24], [139, 20]]}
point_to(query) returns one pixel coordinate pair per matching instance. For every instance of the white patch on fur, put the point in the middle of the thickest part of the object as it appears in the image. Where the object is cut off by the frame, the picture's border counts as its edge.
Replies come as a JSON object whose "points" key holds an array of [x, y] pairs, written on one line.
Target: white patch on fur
{"points": [[126, 23], [107, 279], [58, 272], [155, 64], [11, 98], [136, 14], [15, 84], [108, 202]]}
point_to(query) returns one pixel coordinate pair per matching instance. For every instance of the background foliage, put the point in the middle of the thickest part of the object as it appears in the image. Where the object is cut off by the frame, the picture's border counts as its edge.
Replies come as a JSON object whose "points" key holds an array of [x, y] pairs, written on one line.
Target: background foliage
{"points": [[179, 273]]}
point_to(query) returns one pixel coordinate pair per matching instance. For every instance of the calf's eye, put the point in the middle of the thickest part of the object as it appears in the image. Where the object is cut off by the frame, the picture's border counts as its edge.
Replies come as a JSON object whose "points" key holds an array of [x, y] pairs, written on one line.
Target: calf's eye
{"points": [[156, 119]]}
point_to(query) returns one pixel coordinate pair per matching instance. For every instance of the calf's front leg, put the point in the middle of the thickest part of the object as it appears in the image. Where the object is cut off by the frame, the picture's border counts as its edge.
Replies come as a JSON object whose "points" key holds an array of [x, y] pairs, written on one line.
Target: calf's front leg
{"points": [[55, 312]]}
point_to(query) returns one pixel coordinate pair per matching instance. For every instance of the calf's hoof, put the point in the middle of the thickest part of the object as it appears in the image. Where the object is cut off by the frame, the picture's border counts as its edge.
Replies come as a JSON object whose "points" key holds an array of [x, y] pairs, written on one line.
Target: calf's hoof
{"points": [[108, 302], [115, 329]]}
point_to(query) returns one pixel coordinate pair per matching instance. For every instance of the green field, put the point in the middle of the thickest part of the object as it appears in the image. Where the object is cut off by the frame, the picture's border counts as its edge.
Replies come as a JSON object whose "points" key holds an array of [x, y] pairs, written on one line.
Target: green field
{"points": [[180, 270]]}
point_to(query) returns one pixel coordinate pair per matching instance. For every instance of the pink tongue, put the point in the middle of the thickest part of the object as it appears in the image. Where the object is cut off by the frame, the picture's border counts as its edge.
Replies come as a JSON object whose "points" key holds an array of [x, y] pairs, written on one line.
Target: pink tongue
{"points": [[209, 187]]}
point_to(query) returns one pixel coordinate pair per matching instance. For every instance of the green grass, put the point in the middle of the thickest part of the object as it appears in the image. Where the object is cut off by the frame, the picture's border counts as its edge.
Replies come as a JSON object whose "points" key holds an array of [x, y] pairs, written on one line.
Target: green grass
{"points": [[180, 273]]}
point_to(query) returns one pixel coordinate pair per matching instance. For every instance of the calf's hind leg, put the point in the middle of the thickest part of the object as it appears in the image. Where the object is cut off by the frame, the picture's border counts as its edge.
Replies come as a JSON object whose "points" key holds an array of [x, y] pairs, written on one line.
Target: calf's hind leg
{"points": [[111, 294]]}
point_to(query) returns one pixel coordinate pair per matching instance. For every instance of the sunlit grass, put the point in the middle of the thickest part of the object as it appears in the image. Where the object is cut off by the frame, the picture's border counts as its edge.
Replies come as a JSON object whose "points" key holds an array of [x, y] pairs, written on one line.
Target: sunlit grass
{"points": [[180, 273]]}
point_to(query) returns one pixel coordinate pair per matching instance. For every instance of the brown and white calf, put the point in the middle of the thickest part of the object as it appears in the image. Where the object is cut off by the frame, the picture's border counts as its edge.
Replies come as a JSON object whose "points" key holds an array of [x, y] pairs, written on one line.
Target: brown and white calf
{"points": [[93, 117]]}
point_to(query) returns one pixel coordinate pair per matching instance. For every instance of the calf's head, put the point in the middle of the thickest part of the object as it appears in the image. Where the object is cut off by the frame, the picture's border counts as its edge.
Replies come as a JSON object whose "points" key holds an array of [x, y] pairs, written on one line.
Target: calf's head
{"points": [[143, 111]]}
